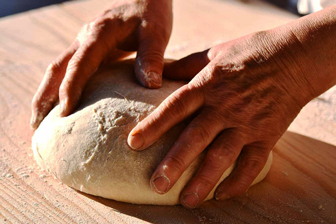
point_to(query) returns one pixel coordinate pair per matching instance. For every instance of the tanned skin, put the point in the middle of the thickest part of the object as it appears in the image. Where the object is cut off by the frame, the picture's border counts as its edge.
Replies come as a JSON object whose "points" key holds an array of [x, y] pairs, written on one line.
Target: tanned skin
{"points": [[243, 94]]}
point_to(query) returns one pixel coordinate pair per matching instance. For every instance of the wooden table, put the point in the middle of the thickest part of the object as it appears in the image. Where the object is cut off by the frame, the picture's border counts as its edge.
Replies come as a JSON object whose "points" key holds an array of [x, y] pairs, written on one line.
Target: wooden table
{"points": [[299, 188]]}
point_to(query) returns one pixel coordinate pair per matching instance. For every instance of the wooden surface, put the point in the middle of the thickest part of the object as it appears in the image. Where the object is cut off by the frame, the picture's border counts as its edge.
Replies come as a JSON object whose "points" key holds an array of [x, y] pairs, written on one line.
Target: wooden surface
{"points": [[299, 188]]}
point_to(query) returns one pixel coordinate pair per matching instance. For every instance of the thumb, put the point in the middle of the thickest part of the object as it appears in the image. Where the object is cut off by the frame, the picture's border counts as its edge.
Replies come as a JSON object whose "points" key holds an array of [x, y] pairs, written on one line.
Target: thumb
{"points": [[186, 68], [149, 62]]}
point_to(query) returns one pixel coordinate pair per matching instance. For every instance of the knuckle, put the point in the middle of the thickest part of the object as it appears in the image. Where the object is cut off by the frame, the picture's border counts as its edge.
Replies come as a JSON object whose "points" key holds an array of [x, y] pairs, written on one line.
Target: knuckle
{"points": [[176, 163], [176, 104], [91, 52], [99, 23], [159, 28], [104, 24], [226, 72], [107, 24], [249, 171], [240, 185], [198, 133], [83, 35], [205, 181], [226, 153], [91, 31], [80, 61], [152, 56], [73, 64], [188, 145], [252, 166], [218, 70], [243, 180], [210, 168], [219, 73]]}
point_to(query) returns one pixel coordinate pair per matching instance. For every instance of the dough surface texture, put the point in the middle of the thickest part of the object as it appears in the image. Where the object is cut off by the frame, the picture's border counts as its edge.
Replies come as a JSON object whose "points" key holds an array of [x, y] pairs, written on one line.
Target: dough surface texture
{"points": [[88, 150]]}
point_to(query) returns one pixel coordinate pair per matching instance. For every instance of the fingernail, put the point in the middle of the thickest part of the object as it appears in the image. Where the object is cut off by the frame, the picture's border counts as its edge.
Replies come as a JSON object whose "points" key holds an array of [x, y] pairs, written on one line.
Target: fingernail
{"points": [[154, 79], [190, 200], [160, 184], [136, 141], [220, 195]]}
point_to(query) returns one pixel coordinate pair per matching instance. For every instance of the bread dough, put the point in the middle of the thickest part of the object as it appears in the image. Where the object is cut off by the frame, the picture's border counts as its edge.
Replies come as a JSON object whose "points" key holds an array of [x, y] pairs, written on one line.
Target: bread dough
{"points": [[88, 150]]}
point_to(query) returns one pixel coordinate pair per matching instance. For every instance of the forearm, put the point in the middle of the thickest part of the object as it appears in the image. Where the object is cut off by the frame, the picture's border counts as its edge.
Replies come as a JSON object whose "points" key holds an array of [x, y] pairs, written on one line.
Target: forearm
{"points": [[316, 51]]}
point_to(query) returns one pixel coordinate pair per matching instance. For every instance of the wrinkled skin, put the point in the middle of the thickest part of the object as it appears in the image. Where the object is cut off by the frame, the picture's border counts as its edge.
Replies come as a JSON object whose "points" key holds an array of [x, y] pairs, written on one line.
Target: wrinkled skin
{"points": [[242, 97], [143, 26], [243, 107]]}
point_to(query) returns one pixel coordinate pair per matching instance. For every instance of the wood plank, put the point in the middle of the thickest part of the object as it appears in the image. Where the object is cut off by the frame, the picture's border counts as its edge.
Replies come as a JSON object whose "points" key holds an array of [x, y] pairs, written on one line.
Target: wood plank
{"points": [[299, 188]]}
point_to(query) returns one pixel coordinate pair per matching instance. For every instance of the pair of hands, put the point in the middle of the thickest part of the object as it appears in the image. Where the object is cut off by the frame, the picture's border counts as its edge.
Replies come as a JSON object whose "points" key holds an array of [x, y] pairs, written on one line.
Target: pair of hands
{"points": [[242, 91]]}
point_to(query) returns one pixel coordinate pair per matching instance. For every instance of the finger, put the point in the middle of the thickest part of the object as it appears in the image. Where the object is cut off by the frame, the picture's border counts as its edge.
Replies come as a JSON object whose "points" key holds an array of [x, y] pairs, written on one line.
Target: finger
{"points": [[193, 140], [220, 156], [186, 68], [149, 62], [116, 55], [252, 160], [47, 93], [175, 108], [82, 65]]}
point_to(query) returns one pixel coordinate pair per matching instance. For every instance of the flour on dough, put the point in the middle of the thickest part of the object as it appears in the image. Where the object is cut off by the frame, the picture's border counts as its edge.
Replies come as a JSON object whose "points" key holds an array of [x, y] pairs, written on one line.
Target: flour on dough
{"points": [[88, 151]]}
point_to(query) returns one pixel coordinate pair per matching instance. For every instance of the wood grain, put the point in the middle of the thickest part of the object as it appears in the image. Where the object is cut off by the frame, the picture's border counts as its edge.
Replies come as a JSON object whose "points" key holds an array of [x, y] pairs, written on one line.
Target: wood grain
{"points": [[299, 188]]}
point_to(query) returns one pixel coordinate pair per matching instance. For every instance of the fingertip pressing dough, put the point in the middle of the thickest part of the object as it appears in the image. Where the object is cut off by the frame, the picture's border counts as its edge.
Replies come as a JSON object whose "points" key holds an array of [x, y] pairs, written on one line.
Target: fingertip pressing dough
{"points": [[88, 150]]}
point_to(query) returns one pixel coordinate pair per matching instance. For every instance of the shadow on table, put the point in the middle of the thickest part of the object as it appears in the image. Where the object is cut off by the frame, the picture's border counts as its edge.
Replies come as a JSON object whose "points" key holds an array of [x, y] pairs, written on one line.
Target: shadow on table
{"points": [[299, 188]]}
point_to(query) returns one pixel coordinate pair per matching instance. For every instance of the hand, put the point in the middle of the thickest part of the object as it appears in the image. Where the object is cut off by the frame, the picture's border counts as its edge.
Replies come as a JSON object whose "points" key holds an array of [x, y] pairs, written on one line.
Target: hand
{"points": [[143, 26], [243, 95]]}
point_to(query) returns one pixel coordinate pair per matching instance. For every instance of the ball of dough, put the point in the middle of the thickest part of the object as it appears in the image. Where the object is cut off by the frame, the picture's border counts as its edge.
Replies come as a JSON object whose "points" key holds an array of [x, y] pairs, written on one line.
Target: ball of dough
{"points": [[88, 150]]}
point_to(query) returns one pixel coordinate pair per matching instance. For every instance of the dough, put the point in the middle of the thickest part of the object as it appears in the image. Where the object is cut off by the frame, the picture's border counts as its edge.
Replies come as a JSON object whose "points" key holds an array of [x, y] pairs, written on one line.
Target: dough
{"points": [[88, 150]]}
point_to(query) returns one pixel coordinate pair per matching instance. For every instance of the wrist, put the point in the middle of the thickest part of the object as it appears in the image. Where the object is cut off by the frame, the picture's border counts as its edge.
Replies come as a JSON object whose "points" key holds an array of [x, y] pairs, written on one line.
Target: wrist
{"points": [[298, 66], [283, 54], [314, 49]]}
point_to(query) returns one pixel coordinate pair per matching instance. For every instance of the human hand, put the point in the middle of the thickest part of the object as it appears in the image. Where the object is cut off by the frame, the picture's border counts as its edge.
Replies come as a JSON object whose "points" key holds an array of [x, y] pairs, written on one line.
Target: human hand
{"points": [[143, 26], [243, 95]]}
